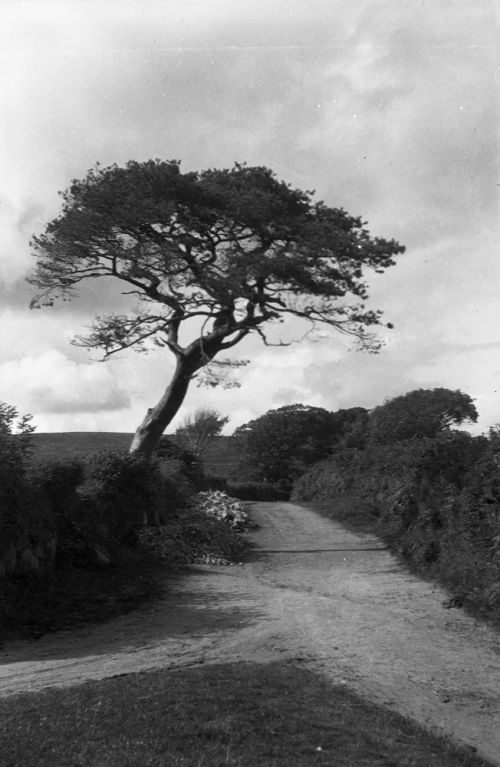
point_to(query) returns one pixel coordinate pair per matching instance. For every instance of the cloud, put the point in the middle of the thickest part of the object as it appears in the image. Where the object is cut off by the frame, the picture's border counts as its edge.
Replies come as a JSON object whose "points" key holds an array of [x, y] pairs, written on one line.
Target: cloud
{"points": [[386, 109], [51, 383]]}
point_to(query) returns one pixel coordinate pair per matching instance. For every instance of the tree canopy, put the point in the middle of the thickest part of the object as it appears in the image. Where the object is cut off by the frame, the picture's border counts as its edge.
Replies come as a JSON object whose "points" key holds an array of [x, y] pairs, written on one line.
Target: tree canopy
{"points": [[280, 444], [420, 413], [230, 250]]}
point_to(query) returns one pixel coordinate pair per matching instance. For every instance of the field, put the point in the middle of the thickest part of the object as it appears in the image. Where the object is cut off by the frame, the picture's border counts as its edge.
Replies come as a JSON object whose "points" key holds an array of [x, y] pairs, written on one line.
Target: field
{"points": [[221, 459]]}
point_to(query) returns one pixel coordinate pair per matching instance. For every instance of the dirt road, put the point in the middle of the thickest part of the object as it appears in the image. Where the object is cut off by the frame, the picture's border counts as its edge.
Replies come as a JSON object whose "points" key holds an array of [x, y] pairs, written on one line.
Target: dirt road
{"points": [[313, 592]]}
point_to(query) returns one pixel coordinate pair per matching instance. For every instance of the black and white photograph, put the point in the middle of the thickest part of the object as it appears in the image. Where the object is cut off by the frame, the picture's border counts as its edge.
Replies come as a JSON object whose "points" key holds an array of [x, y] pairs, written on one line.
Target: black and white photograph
{"points": [[249, 383]]}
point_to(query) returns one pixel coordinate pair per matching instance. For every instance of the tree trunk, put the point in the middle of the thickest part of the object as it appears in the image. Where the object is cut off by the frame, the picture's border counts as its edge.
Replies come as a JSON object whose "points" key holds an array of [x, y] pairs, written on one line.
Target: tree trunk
{"points": [[194, 357], [158, 418]]}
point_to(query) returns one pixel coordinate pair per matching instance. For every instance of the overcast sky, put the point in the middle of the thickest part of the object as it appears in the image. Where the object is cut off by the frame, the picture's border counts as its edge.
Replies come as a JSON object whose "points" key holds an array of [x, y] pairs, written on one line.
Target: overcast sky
{"points": [[388, 108]]}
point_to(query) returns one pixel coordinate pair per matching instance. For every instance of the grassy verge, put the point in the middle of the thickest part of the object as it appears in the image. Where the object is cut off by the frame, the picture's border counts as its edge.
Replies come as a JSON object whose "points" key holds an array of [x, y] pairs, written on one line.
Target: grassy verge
{"points": [[276, 715], [31, 607]]}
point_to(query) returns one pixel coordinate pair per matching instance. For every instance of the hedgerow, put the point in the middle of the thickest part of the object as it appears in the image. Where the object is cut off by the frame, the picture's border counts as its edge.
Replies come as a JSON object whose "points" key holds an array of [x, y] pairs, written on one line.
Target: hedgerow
{"points": [[437, 501], [257, 491]]}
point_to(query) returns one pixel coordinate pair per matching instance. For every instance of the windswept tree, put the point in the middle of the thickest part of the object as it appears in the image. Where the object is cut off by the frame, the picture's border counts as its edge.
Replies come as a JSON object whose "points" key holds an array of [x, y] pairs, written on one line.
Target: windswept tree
{"points": [[220, 254]]}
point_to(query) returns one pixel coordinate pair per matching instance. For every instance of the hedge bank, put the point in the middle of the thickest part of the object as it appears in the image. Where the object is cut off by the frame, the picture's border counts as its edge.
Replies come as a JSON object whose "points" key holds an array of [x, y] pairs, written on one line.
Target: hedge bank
{"points": [[437, 502]]}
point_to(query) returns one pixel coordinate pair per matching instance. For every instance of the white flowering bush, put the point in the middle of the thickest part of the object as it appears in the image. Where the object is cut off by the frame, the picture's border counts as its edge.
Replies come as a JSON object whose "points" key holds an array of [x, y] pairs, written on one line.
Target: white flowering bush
{"points": [[204, 533], [219, 505]]}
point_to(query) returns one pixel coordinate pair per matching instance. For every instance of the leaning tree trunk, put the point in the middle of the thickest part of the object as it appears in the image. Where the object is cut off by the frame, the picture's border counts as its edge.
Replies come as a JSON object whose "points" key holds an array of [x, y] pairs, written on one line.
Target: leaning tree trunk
{"points": [[158, 418]]}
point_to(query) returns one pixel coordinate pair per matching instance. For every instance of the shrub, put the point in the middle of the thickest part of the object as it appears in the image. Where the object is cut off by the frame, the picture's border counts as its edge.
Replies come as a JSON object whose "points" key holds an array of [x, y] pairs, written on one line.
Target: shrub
{"points": [[15, 434], [176, 490], [257, 491], [57, 508], [193, 538], [122, 492], [211, 482], [329, 477], [219, 505], [437, 500], [57, 482], [176, 459]]}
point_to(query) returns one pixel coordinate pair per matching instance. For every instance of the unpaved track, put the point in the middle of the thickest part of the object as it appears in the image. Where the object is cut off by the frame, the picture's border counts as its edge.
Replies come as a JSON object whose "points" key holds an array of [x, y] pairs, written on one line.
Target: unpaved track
{"points": [[315, 593]]}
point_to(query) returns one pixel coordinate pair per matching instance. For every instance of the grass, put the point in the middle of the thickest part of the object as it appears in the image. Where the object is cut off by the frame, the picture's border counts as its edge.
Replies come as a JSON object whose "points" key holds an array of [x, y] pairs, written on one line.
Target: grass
{"points": [[31, 607], [274, 715]]}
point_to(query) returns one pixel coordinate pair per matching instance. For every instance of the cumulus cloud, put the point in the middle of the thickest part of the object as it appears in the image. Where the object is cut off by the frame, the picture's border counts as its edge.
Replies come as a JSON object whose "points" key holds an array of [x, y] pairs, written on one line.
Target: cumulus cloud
{"points": [[385, 109], [51, 383]]}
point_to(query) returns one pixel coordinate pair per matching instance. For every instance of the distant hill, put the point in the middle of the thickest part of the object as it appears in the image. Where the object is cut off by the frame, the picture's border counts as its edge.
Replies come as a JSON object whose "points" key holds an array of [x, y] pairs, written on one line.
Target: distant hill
{"points": [[221, 459]]}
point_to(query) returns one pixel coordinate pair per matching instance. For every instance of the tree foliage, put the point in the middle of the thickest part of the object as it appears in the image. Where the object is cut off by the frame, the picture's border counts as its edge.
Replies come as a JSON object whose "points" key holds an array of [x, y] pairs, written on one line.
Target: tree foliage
{"points": [[15, 434], [279, 445], [15, 441], [197, 431], [227, 252], [420, 413]]}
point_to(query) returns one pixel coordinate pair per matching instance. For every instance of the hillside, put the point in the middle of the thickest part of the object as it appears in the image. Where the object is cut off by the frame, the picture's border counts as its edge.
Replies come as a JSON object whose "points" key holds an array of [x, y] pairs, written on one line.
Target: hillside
{"points": [[221, 460]]}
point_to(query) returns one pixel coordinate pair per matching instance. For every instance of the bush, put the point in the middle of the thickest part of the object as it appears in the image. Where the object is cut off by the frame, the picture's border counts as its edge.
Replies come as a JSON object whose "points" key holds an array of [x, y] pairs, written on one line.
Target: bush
{"points": [[219, 505], [176, 490], [176, 459], [15, 494], [437, 501], [57, 508], [127, 491], [212, 482], [329, 477], [117, 491], [193, 538], [281, 443], [256, 491], [206, 532]]}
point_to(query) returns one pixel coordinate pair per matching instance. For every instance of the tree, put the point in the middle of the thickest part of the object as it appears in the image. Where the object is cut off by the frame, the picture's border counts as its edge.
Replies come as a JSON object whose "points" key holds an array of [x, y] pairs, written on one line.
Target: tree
{"points": [[15, 441], [420, 413], [279, 445], [196, 432], [228, 251]]}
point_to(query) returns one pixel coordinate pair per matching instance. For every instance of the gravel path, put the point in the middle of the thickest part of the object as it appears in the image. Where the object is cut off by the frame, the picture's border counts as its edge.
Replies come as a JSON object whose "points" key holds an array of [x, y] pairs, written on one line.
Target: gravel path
{"points": [[315, 593]]}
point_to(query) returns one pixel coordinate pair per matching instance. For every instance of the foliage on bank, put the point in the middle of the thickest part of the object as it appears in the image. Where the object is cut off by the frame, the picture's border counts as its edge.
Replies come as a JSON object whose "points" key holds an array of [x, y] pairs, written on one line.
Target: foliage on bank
{"points": [[84, 514], [282, 443]]}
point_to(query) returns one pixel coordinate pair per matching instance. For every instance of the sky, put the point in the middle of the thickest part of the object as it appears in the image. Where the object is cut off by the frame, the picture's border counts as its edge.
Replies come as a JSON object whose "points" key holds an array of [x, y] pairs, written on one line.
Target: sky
{"points": [[387, 108]]}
